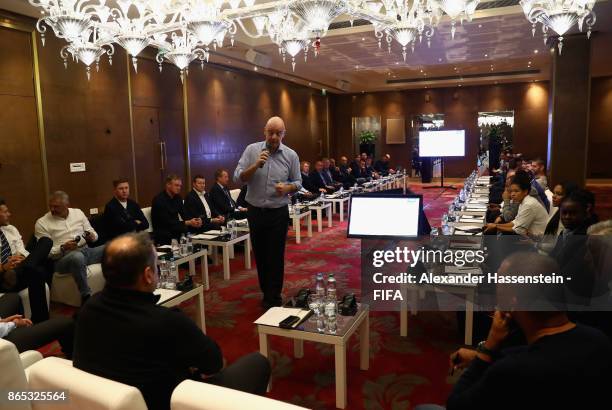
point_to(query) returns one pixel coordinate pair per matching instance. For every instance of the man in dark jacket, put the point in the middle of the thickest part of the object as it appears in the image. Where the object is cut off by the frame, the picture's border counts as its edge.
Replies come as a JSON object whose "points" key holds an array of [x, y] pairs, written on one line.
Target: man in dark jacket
{"points": [[221, 198], [168, 215], [198, 205], [122, 214]]}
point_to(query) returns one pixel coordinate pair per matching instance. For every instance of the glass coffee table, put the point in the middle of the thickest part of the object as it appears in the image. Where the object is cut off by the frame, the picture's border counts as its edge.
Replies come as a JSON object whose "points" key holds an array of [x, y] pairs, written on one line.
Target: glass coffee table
{"points": [[347, 326]]}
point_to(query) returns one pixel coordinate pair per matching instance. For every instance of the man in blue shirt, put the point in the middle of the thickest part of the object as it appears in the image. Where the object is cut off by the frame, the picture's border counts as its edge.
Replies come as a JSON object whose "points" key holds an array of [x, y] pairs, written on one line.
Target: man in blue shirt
{"points": [[271, 171]]}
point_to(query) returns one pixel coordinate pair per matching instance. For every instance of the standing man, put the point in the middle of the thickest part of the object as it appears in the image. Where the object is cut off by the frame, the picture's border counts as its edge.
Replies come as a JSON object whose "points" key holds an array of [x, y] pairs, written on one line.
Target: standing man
{"points": [[272, 171], [121, 214]]}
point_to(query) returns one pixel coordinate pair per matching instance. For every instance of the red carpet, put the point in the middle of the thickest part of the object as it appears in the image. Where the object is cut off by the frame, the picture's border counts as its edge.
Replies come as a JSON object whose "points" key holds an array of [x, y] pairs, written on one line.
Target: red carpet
{"points": [[403, 371]]}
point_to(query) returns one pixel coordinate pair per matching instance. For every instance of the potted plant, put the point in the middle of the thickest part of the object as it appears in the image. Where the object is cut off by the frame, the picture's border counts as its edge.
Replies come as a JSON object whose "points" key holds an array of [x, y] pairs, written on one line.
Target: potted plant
{"points": [[366, 142]]}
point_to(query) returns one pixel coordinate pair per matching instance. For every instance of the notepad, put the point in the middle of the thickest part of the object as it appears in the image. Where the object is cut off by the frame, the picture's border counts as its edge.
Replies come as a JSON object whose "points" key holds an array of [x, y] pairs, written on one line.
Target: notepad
{"points": [[204, 236], [276, 315], [166, 294]]}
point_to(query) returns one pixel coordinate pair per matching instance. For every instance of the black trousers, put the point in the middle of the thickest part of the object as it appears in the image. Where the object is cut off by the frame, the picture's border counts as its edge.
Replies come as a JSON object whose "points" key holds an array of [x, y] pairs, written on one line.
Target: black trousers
{"points": [[268, 228], [31, 274], [40, 334], [250, 373]]}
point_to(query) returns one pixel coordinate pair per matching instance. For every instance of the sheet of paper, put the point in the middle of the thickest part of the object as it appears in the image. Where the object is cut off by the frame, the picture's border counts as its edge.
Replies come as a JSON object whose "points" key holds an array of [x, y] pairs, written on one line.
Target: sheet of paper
{"points": [[204, 236], [165, 247], [166, 294], [276, 315]]}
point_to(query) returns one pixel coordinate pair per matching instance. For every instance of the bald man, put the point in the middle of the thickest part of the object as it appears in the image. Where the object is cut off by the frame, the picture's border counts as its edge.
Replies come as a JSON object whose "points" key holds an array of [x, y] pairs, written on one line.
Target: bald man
{"points": [[271, 171]]}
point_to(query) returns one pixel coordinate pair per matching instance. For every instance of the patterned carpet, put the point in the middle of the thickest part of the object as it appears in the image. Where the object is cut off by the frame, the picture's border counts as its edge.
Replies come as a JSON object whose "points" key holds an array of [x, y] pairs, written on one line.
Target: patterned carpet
{"points": [[403, 372]]}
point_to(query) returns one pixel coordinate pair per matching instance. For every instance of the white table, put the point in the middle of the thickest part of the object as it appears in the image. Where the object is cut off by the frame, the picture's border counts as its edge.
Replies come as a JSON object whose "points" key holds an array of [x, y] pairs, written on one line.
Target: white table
{"points": [[170, 298], [191, 258], [297, 223], [340, 202], [319, 209], [360, 321], [226, 247]]}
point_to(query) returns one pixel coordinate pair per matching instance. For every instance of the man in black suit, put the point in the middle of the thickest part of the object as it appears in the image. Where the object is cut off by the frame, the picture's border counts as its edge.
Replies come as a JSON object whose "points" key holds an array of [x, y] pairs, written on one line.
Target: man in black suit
{"points": [[318, 180], [345, 175], [221, 199], [306, 181], [168, 215], [361, 172], [198, 205], [383, 166], [121, 214]]}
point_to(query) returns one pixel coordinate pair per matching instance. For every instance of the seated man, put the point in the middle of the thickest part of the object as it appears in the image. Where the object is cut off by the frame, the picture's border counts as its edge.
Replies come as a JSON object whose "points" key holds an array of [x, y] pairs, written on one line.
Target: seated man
{"points": [[318, 180], [221, 199], [71, 233], [26, 335], [197, 205], [121, 214], [328, 174], [20, 269], [146, 345], [371, 169], [307, 185], [531, 217], [563, 366], [383, 166], [361, 172], [345, 173], [168, 215]]}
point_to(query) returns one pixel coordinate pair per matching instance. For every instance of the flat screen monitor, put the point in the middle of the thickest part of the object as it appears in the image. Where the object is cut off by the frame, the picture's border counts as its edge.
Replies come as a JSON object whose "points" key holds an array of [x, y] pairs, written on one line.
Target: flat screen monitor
{"points": [[384, 217], [448, 143]]}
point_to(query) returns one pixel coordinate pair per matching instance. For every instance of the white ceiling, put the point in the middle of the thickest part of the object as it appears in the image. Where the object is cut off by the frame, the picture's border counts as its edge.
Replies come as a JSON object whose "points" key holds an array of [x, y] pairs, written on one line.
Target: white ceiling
{"points": [[497, 40]]}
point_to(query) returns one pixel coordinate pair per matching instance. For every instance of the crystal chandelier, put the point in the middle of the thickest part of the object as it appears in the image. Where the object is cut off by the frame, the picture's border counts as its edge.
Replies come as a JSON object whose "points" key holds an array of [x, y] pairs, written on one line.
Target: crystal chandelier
{"points": [[186, 30], [559, 16]]}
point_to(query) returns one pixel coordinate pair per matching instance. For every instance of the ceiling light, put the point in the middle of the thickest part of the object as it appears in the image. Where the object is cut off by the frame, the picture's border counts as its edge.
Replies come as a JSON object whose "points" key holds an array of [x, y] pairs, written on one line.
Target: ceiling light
{"points": [[535, 51], [486, 55], [255, 68], [310, 84]]}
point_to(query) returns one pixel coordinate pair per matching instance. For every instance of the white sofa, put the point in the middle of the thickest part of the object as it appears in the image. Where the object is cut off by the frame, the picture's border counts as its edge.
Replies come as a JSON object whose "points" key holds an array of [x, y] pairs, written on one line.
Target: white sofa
{"points": [[14, 373], [85, 390], [64, 289], [234, 193], [192, 395], [25, 301], [147, 213]]}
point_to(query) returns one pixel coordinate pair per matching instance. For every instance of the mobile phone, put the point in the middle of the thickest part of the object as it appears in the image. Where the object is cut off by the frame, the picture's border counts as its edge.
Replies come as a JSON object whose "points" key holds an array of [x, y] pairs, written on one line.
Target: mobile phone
{"points": [[288, 322]]}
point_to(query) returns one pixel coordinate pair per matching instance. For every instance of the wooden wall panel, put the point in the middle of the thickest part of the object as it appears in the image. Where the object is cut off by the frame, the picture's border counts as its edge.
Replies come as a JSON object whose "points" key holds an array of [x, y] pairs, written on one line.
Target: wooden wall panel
{"points": [[600, 129], [21, 174], [460, 106], [157, 103], [85, 121]]}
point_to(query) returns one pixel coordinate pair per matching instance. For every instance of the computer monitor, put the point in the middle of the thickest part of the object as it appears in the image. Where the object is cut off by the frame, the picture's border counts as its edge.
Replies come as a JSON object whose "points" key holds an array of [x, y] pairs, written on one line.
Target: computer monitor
{"points": [[449, 143], [384, 216]]}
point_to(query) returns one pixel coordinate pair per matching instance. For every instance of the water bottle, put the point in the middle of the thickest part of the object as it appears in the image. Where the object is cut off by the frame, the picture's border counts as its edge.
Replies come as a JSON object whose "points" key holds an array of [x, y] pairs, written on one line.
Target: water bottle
{"points": [[189, 244], [331, 315], [341, 189], [176, 251], [183, 245], [320, 285], [231, 227], [163, 274], [331, 286], [172, 275]]}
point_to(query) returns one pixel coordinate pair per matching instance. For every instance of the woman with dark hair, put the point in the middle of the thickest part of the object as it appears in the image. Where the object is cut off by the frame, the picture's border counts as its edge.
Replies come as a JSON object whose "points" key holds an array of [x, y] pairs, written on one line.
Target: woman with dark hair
{"points": [[554, 226]]}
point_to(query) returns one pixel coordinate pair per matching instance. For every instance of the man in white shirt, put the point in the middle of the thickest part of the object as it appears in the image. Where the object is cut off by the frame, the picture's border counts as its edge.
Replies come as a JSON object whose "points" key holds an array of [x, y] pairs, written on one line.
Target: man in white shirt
{"points": [[531, 217], [20, 269], [71, 232], [198, 205]]}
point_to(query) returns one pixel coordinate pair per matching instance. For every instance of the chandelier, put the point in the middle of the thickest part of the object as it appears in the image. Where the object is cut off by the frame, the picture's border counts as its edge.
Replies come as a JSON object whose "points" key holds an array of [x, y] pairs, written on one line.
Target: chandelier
{"points": [[184, 31], [559, 16]]}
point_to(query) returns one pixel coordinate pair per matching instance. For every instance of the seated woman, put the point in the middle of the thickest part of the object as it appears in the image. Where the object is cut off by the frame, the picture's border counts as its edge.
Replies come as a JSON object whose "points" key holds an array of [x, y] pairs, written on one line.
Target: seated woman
{"points": [[27, 336], [555, 226], [531, 216]]}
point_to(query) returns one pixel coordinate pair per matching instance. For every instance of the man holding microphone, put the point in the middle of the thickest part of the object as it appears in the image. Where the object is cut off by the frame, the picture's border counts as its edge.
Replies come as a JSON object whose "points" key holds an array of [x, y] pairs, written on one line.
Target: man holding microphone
{"points": [[272, 171]]}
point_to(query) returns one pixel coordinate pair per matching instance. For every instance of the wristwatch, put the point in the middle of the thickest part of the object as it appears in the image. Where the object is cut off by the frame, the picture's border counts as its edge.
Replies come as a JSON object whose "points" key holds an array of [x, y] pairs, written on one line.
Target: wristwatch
{"points": [[483, 349]]}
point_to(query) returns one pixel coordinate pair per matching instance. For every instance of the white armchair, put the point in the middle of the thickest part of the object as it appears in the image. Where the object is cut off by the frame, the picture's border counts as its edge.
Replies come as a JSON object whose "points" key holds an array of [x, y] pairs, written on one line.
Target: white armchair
{"points": [[14, 374], [235, 193], [64, 289], [85, 390], [147, 214], [192, 395]]}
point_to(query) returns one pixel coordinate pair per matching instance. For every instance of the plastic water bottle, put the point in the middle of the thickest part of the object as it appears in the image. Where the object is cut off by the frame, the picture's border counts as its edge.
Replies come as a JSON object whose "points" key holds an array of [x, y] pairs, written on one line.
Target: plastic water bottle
{"points": [[331, 286], [331, 315], [163, 274], [189, 244], [183, 245], [176, 251], [172, 275], [320, 285], [231, 227]]}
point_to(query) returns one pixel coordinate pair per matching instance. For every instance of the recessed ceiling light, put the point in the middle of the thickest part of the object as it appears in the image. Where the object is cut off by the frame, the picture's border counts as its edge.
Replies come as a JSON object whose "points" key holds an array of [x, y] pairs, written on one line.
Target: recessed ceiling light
{"points": [[255, 68], [455, 68], [362, 92], [362, 38], [480, 26], [229, 62], [309, 83], [439, 59], [421, 70], [397, 63], [459, 85], [486, 55], [536, 51]]}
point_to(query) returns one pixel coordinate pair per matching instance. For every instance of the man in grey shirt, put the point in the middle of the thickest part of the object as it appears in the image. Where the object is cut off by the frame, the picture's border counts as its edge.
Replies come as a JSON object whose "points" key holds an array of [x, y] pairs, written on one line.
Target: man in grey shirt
{"points": [[271, 171]]}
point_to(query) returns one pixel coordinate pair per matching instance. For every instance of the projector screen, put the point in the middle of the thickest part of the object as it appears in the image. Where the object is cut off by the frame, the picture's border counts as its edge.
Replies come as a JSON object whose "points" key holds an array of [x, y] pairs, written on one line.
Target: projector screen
{"points": [[390, 216], [449, 143]]}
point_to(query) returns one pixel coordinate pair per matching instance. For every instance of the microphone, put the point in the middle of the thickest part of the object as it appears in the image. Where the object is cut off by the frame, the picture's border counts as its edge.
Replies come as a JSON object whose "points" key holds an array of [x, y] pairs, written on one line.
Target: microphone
{"points": [[267, 148]]}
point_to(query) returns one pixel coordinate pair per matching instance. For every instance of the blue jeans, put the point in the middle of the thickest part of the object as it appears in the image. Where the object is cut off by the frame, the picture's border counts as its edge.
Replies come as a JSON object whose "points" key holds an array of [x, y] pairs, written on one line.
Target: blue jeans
{"points": [[75, 263]]}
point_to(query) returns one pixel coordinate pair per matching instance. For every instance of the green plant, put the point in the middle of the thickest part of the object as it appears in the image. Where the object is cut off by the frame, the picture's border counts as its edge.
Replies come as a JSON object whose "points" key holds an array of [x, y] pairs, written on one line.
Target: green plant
{"points": [[367, 137]]}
